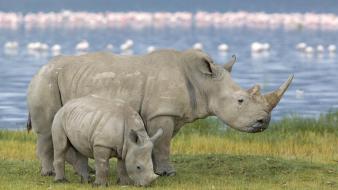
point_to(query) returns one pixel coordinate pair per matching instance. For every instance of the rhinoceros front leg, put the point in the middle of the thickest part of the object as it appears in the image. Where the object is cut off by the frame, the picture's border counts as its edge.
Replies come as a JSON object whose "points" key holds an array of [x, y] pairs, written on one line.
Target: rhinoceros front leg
{"points": [[161, 151], [122, 176], [101, 156]]}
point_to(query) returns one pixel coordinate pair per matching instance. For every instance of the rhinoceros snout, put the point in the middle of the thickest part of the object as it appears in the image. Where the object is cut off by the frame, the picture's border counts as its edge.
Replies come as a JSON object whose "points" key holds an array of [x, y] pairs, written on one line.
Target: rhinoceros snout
{"points": [[257, 128], [148, 182], [260, 125]]}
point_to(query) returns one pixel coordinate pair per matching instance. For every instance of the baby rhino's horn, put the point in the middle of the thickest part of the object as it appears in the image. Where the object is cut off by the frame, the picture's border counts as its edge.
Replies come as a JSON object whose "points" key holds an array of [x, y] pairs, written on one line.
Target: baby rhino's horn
{"points": [[156, 135]]}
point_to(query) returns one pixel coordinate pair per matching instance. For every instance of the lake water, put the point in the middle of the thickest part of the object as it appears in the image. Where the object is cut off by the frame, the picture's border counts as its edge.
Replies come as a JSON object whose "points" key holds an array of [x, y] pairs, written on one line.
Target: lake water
{"points": [[313, 91]]}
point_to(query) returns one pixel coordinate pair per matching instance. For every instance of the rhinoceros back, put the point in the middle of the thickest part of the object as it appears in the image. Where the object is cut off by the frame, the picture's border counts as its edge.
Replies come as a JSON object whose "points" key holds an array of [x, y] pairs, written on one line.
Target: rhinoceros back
{"points": [[110, 75]]}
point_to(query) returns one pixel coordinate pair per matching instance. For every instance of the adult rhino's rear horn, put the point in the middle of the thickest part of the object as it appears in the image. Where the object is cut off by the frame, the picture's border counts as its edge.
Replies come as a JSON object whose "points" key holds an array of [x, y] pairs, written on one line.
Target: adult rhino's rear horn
{"points": [[274, 97], [229, 64]]}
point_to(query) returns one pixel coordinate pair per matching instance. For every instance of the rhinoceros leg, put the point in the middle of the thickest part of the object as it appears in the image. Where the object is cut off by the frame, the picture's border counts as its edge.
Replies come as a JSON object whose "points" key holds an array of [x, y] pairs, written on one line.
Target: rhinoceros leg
{"points": [[45, 154], [161, 151], [122, 176], [61, 146], [79, 163], [43, 102], [101, 156], [42, 119]]}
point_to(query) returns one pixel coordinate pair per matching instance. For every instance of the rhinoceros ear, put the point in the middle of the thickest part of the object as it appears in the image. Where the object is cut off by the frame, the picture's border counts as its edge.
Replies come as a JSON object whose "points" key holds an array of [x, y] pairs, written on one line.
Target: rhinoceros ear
{"points": [[133, 137], [229, 64], [208, 68], [255, 90]]}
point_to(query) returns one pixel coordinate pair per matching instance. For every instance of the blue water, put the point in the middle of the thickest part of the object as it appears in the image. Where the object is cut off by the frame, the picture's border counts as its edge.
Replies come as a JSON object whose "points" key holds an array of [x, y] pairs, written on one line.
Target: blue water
{"points": [[315, 75], [270, 6]]}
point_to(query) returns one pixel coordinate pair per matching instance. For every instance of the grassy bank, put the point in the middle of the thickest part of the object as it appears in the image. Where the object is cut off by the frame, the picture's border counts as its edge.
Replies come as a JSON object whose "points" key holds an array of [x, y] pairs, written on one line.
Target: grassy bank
{"points": [[195, 172], [293, 153]]}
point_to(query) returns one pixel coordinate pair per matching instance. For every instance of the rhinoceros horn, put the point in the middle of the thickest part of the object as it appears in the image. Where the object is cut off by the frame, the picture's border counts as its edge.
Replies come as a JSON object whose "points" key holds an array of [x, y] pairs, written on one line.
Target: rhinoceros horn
{"points": [[156, 135], [229, 64], [274, 97]]}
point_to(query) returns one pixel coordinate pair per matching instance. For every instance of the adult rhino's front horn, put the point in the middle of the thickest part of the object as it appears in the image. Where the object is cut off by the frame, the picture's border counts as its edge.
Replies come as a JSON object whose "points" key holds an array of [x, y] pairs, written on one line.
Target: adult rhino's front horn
{"points": [[274, 97]]}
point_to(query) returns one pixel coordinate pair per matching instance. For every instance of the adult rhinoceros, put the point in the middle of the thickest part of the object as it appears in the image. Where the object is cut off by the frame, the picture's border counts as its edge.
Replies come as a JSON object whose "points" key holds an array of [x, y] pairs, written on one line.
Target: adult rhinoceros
{"points": [[168, 88]]}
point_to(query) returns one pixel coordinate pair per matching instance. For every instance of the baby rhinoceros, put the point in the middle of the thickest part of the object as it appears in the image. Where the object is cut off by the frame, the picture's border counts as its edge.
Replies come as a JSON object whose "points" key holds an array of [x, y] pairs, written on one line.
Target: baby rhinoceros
{"points": [[102, 129]]}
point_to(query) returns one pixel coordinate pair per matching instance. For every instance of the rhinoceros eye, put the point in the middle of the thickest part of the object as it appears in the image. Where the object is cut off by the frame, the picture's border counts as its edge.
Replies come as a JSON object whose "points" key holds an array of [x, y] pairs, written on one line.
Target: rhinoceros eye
{"points": [[138, 167], [240, 101]]}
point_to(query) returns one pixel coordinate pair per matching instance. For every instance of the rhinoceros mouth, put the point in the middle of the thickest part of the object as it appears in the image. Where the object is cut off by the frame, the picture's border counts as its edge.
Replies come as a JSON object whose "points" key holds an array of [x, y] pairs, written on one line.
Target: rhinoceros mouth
{"points": [[257, 127]]}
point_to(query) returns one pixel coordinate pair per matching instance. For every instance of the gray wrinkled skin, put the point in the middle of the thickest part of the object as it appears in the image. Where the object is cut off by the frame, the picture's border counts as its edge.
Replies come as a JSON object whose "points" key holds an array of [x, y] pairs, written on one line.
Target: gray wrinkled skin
{"points": [[168, 88], [99, 129]]}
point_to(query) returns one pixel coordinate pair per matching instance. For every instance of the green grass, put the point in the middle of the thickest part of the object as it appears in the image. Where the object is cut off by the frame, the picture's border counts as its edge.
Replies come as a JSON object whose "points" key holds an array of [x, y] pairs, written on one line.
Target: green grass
{"points": [[195, 172], [294, 153]]}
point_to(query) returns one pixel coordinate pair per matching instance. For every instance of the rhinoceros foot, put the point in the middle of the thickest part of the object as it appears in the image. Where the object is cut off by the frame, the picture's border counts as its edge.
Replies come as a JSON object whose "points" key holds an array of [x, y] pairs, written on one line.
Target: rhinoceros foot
{"points": [[63, 180], [47, 173], [100, 184], [165, 170], [124, 180]]}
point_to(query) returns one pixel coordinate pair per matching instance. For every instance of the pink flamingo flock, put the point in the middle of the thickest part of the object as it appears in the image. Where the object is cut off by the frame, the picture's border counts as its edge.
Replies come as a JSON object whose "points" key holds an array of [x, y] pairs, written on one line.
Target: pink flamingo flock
{"points": [[70, 19]]}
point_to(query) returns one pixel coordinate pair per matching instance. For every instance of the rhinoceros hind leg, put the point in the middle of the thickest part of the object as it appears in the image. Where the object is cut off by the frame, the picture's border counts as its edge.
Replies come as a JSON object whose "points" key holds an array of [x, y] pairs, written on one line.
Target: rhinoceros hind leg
{"points": [[161, 151], [79, 162], [81, 165], [61, 145], [45, 154], [43, 101]]}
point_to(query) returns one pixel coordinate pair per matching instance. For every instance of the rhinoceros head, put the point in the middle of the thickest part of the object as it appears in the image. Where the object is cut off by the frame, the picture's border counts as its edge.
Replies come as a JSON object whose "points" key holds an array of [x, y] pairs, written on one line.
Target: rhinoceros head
{"points": [[245, 110], [138, 158]]}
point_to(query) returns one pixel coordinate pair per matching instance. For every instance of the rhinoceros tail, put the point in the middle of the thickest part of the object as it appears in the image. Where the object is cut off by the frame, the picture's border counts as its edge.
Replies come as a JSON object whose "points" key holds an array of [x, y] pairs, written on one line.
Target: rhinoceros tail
{"points": [[29, 123]]}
